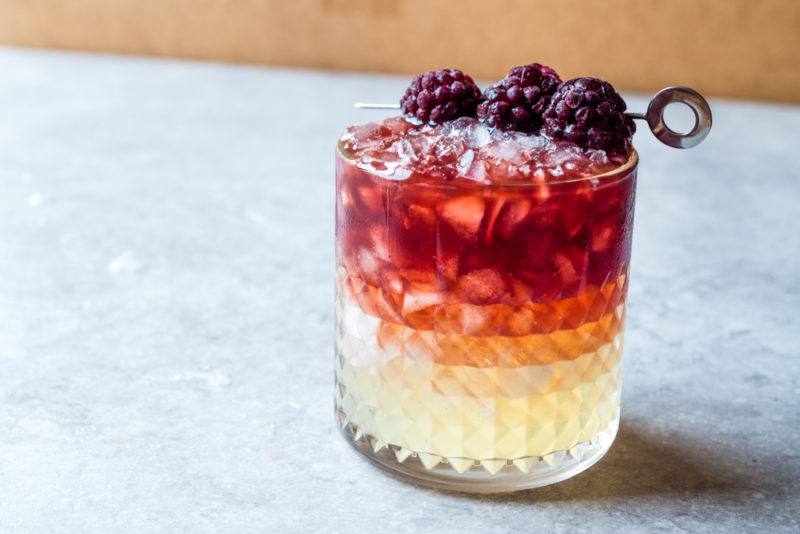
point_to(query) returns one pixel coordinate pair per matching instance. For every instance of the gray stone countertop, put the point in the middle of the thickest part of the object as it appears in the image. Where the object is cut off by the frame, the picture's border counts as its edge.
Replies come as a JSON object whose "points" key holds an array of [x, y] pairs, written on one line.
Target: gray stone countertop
{"points": [[166, 328]]}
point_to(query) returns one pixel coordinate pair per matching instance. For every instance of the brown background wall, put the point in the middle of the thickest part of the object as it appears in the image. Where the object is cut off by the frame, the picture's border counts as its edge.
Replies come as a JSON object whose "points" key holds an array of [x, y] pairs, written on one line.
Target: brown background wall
{"points": [[738, 48]]}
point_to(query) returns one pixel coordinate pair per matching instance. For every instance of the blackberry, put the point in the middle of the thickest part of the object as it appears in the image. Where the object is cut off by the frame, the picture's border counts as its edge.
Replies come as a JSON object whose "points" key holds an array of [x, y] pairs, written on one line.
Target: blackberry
{"points": [[590, 113], [440, 96], [518, 101]]}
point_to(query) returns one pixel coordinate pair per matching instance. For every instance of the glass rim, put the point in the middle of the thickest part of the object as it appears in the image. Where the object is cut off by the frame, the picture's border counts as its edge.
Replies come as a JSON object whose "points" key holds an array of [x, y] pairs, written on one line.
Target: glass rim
{"points": [[621, 171]]}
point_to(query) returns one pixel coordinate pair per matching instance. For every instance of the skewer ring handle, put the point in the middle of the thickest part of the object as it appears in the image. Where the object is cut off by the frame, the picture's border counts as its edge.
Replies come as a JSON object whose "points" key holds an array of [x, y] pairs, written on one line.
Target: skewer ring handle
{"points": [[698, 105]]}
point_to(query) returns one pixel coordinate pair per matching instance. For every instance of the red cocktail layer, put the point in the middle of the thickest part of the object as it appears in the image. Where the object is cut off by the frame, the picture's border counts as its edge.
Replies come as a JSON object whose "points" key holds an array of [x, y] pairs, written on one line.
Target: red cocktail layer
{"points": [[458, 230]]}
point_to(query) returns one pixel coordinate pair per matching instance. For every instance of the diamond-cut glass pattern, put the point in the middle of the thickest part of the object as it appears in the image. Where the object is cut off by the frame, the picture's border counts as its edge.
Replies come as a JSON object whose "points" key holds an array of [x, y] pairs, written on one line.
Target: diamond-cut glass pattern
{"points": [[489, 401]]}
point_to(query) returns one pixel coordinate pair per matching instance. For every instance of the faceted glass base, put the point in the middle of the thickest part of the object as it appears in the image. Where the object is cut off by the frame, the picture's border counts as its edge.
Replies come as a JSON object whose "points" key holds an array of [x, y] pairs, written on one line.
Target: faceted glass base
{"points": [[480, 476]]}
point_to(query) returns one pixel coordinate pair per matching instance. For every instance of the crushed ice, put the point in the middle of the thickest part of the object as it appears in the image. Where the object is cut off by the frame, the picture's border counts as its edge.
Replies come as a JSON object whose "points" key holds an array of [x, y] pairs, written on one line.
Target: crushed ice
{"points": [[395, 149]]}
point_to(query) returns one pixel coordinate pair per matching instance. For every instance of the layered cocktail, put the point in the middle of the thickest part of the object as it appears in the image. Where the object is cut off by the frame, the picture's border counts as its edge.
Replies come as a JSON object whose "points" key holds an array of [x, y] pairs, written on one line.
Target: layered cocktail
{"points": [[482, 269]]}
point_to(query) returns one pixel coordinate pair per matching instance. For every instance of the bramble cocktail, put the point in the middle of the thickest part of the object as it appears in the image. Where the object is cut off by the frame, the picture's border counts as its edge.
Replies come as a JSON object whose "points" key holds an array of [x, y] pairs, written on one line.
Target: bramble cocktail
{"points": [[481, 281]]}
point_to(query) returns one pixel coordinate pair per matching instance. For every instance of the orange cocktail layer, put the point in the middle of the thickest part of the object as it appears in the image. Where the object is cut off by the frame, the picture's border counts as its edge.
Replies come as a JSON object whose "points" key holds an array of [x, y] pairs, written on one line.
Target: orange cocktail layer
{"points": [[461, 389]]}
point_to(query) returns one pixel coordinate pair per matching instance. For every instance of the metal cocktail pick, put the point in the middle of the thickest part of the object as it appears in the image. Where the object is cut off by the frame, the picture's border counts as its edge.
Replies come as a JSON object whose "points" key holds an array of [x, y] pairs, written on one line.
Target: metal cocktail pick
{"points": [[654, 116]]}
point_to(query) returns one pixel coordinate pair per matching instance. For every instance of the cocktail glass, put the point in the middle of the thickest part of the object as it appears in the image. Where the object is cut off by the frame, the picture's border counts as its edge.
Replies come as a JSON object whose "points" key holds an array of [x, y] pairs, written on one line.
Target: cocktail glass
{"points": [[479, 326]]}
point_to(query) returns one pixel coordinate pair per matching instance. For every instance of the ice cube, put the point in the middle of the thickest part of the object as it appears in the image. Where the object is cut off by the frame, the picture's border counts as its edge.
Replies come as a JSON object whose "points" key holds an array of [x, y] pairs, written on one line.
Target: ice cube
{"points": [[392, 282], [405, 150], [398, 172], [378, 238], [502, 151], [345, 197], [514, 213], [468, 319], [598, 157], [422, 144], [455, 127], [566, 268], [419, 215], [397, 125], [531, 143], [370, 197], [477, 135], [603, 234], [448, 150], [470, 131], [369, 266], [464, 214], [484, 286], [473, 168], [391, 162], [365, 136], [417, 300], [465, 162]]}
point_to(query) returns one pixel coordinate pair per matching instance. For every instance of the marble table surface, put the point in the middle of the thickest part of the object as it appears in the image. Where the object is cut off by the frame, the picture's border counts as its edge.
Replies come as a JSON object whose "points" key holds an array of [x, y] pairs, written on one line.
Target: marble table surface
{"points": [[166, 328]]}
